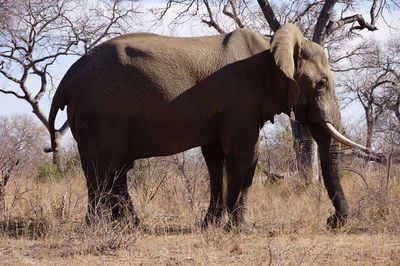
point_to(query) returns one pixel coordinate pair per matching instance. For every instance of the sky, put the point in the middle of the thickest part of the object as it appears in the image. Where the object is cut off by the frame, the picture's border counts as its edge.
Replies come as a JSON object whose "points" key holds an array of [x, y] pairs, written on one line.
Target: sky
{"points": [[11, 105]]}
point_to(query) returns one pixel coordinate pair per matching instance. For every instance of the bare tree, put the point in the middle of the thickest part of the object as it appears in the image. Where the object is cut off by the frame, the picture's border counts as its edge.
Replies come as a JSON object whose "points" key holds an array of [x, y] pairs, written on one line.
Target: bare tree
{"points": [[369, 82], [325, 22], [37, 33], [372, 78], [20, 138]]}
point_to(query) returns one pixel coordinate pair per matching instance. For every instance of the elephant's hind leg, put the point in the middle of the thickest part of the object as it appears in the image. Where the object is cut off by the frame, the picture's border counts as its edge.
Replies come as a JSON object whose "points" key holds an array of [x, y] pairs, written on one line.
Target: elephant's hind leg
{"points": [[108, 194], [121, 203], [214, 158]]}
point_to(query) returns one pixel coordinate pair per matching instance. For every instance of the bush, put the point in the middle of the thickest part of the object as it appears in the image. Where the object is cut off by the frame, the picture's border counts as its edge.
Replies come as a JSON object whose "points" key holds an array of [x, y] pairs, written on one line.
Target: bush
{"points": [[73, 162], [48, 172]]}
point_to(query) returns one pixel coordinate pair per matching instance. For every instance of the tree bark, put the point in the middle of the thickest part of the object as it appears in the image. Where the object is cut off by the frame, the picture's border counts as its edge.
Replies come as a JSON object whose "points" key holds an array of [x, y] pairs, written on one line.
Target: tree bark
{"points": [[57, 154], [370, 131], [306, 152], [269, 14]]}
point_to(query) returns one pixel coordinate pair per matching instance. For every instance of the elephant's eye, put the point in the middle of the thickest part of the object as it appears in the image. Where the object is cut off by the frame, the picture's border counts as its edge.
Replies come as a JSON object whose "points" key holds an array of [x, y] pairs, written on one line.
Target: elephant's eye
{"points": [[321, 84]]}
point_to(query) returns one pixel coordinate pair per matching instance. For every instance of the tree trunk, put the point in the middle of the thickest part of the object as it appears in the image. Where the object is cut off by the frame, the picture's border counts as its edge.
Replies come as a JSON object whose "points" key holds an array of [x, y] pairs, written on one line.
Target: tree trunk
{"points": [[57, 153], [2, 201], [306, 152], [370, 131]]}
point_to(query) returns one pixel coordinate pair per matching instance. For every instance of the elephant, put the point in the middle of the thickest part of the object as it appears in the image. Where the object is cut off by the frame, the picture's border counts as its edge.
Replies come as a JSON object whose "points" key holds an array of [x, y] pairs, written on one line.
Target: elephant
{"points": [[142, 95]]}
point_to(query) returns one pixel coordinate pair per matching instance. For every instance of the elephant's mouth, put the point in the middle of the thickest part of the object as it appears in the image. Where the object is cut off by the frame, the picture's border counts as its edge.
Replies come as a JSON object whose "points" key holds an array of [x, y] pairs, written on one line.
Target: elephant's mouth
{"points": [[314, 117]]}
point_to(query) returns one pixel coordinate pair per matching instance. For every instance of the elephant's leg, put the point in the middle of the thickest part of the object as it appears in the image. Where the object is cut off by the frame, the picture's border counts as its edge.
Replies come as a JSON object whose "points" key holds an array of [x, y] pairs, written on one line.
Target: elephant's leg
{"points": [[107, 190], [96, 186], [240, 144], [214, 158], [121, 202], [240, 172]]}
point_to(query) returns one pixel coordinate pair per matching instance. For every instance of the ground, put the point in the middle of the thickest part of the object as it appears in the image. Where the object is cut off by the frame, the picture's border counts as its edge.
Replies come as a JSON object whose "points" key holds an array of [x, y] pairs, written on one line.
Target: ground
{"points": [[215, 249]]}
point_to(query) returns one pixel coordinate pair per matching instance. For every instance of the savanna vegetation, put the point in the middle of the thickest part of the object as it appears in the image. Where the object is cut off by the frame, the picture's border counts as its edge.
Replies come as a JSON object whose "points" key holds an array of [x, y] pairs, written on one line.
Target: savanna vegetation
{"points": [[43, 210]]}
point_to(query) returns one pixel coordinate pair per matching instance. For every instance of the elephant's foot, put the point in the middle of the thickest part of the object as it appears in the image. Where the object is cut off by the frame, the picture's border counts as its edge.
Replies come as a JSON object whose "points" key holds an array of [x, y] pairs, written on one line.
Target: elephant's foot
{"points": [[237, 223], [131, 221], [113, 210], [96, 217], [243, 227], [123, 212], [336, 221], [211, 220]]}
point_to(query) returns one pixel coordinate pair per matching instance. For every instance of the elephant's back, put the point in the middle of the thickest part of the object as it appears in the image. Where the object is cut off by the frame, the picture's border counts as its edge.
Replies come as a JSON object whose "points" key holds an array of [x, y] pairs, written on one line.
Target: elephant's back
{"points": [[135, 72]]}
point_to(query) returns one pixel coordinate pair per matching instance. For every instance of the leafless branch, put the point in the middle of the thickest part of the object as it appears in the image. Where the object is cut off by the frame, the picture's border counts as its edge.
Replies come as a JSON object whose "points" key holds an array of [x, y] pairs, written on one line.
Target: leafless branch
{"points": [[269, 14], [373, 157], [232, 15], [307, 10], [8, 76], [323, 18], [332, 26], [13, 93], [211, 22], [63, 129]]}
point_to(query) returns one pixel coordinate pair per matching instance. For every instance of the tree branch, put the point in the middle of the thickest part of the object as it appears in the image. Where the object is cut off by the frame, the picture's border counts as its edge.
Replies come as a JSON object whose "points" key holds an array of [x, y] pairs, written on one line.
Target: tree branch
{"points": [[306, 10], [61, 51], [321, 31], [211, 22], [332, 26], [232, 15], [13, 93], [8, 76], [323, 18], [374, 157], [63, 128], [269, 15]]}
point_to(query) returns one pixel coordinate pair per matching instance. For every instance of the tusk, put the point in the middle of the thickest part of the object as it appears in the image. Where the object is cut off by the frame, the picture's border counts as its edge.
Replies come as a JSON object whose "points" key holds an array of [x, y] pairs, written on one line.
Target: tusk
{"points": [[342, 139]]}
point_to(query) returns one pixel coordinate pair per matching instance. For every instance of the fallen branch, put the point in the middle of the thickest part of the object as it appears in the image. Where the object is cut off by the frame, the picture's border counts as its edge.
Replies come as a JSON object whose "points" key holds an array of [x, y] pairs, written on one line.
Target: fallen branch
{"points": [[373, 156]]}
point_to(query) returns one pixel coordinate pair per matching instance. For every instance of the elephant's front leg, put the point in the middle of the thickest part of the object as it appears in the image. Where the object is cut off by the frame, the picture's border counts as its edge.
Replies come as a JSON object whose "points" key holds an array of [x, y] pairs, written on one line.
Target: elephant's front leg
{"points": [[240, 142], [214, 158], [240, 172]]}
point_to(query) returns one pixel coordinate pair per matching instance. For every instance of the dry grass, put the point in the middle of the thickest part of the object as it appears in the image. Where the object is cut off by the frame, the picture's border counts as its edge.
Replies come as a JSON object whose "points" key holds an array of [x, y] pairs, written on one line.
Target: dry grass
{"points": [[44, 223]]}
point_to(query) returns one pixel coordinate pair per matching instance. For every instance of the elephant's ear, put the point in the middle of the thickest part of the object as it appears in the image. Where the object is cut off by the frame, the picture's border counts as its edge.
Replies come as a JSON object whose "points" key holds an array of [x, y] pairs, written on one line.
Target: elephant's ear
{"points": [[285, 46], [293, 93]]}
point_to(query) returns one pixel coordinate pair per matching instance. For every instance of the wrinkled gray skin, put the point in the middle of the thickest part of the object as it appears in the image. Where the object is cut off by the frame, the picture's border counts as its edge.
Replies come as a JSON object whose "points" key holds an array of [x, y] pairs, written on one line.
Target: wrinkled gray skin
{"points": [[144, 95]]}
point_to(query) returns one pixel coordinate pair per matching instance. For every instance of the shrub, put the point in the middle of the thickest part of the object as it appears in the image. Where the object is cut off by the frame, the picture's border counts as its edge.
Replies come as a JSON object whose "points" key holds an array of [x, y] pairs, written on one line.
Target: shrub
{"points": [[48, 172]]}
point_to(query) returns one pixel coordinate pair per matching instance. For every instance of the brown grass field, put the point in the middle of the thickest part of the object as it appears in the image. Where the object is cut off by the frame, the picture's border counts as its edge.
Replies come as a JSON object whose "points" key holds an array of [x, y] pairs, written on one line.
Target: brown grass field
{"points": [[43, 223]]}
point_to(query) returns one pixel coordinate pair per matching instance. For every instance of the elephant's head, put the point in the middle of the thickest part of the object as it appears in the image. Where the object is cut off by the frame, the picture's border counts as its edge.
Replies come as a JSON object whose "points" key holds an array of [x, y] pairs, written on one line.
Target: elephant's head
{"points": [[312, 90], [312, 96]]}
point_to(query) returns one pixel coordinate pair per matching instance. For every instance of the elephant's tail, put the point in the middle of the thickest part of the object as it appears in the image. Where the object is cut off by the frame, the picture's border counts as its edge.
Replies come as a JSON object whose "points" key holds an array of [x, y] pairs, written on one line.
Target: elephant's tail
{"points": [[57, 104]]}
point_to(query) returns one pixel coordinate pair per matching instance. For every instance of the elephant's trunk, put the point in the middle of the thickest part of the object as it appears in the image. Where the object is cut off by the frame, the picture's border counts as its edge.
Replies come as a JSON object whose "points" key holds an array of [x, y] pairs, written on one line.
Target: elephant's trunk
{"points": [[331, 130], [329, 157]]}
